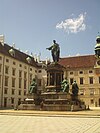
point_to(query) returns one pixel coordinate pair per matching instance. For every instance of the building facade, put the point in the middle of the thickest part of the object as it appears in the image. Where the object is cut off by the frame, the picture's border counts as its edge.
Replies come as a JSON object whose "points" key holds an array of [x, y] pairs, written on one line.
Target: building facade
{"points": [[17, 70]]}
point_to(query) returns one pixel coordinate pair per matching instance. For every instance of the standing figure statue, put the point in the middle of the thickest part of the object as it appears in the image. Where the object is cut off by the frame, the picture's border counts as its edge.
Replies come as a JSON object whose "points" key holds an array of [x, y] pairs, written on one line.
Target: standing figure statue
{"points": [[55, 51], [75, 88], [33, 87], [65, 85]]}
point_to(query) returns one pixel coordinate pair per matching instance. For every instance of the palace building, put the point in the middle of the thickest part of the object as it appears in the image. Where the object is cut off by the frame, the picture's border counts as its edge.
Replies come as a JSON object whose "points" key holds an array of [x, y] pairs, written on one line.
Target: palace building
{"points": [[17, 69]]}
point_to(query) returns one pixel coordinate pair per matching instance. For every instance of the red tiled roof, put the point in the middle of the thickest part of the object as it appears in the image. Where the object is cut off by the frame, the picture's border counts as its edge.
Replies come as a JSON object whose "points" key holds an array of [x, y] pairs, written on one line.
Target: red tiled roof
{"points": [[18, 54], [78, 61]]}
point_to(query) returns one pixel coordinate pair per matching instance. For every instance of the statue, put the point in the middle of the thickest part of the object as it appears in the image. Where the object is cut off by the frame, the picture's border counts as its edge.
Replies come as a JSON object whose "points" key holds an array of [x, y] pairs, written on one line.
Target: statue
{"points": [[33, 87], [65, 85], [55, 51], [97, 47], [75, 88]]}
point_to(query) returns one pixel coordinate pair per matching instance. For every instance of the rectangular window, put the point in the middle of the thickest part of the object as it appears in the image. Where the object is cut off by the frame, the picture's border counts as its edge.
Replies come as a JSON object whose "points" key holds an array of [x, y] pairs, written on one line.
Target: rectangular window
{"points": [[5, 90], [30, 77], [39, 82], [71, 73], [19, 92], [90, 71], [20, 73], [20, 82], [81, 81], [25, 82], [91, 91], [13, 82], [99, 80], [0, 58], [6, 81], [25, 75], [14, 63], [91, 80], [13, 91], [6, 69], [7, 60], [0, 67], [81, 91], [12, 100], [92, 101], [71, 80], [81, 72], [13, 71]]}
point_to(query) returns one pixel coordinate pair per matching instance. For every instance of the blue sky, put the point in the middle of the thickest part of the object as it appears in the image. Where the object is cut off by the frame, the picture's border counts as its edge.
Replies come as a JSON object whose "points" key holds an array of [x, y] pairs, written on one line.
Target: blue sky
{"points": [[33, 24]]}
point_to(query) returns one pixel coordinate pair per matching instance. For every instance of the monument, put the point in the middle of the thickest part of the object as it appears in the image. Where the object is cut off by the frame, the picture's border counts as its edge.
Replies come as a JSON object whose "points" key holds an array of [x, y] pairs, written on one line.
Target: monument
{"points": [[57, 95], [97, 52]]}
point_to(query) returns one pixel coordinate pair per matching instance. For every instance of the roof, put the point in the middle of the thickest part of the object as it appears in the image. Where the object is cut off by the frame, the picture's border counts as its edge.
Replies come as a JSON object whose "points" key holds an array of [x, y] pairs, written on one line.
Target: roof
{"points": [[78, 61], [20, 56]]}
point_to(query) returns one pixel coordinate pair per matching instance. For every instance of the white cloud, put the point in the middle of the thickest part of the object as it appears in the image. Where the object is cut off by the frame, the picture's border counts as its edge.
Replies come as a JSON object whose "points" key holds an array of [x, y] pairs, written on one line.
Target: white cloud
{"points": [[73, 25]]}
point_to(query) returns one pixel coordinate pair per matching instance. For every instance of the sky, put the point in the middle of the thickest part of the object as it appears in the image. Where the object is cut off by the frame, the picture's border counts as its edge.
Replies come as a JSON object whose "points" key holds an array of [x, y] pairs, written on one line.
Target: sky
{"points": [[32, 25]]}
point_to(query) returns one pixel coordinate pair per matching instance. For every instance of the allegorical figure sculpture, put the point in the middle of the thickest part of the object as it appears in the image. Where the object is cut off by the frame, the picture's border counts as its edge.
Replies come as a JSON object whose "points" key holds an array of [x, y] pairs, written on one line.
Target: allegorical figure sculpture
{"points": [[65, 85], [55, 51], [33, 87], [75, 88], [97, 47]]}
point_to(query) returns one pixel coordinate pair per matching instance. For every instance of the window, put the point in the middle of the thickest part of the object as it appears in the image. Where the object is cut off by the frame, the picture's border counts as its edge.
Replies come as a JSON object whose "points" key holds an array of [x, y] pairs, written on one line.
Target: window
{"points": [[92, 101], [81, 91], [25, 75], [81, 72], [0, 80], [6, 81], [13, 82], [7, 60], [39, 82], [91, 80], [25, 81], [14, 63], [6, 69], [90, 71], [99, 80], [20, 65], [5, 90], [24, 93], [30, 77], [20, 83], [30, 69], [71, 80], [0, 67], [13, 91], [19, 92], [0, 58], [25, 67], [39, 71], [20, 74], [91, 91], [81, 81], [71, 73], [13, 71], [12, 100]]}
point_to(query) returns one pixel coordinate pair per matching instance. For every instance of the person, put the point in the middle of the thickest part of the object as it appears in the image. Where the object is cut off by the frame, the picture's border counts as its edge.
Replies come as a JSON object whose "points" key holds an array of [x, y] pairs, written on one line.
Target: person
{"points": [[55, 51], [33, 87], [75, 88], [65, 85]]}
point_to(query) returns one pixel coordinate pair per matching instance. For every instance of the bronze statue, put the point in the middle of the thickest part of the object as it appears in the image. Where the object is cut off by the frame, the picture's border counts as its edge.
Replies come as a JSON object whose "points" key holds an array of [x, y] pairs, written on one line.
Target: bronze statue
{"points": [[75, 88], [33, 87], [55, 51], [65, 85]]}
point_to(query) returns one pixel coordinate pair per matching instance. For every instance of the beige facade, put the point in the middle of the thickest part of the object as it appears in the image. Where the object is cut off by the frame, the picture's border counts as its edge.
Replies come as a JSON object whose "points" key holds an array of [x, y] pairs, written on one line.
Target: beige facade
{"points": [[15, 78]]}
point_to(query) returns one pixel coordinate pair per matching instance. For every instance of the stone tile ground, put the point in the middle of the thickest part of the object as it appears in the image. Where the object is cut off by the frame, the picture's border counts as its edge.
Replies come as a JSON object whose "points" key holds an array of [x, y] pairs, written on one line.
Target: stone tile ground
{"points": [[35, 124]]}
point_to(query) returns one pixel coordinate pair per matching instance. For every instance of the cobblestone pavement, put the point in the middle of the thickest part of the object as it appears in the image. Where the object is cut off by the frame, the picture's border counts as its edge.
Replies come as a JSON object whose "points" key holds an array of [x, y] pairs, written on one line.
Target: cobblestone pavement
{"points": [[36, 124]]}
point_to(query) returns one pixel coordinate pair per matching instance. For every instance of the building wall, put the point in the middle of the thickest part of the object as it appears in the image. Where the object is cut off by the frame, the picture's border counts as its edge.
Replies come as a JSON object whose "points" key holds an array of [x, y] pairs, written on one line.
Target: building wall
{"points": [[89, 91], [15, 78]]}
